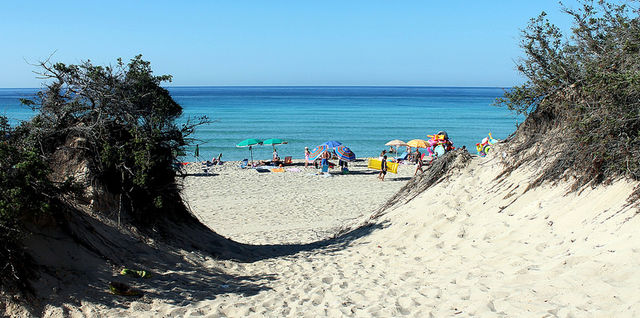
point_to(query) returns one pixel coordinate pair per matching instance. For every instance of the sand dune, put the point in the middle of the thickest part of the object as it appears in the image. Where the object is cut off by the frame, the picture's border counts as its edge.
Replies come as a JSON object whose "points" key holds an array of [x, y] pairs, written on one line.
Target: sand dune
{"points": [[471, 245]]}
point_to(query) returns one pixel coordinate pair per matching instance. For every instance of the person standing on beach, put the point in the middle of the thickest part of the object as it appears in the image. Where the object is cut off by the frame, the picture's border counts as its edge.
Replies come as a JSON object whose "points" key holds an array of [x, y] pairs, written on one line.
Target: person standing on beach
{"points": [[307, 154], [419, 167], [325, 159], [383, 168]]}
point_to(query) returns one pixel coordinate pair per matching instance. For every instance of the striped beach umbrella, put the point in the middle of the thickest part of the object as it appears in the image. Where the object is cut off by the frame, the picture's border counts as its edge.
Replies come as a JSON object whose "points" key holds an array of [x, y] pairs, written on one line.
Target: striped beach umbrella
{"points": [[332, 144], [344, 153], [317, 151]]}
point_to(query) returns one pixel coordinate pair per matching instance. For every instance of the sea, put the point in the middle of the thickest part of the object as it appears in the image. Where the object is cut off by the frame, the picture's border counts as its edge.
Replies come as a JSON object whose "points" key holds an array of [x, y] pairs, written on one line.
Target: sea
{"points": [[361, 118]]}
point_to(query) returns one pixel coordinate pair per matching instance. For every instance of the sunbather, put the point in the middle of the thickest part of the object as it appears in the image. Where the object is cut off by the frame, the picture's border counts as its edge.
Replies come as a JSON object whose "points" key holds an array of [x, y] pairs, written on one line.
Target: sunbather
{"points": [[217, 161]]}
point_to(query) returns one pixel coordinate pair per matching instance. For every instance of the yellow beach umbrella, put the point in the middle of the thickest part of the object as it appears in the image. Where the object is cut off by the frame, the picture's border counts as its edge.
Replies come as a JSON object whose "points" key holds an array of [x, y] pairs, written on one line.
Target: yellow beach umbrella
{"points": [[418, 143]]}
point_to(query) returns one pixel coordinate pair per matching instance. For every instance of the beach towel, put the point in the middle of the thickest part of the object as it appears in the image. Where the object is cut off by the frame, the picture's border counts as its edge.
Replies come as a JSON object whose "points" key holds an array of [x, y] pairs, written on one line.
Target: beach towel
{"points": [[277, 170]]}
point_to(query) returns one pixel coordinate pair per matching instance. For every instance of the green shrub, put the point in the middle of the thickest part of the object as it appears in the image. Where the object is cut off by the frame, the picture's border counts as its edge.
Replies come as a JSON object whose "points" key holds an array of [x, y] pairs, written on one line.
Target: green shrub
{"points": [[128, 124], [586, 88], [25, 194]]}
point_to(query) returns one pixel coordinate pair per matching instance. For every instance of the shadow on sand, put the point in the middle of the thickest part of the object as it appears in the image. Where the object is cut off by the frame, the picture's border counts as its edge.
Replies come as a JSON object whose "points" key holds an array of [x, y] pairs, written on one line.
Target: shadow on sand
{"points": [[187, 265]]}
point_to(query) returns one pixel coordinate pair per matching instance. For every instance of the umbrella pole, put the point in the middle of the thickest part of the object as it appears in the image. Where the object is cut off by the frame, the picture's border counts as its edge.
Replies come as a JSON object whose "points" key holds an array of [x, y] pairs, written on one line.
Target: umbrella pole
{"points": [[251, 151]]}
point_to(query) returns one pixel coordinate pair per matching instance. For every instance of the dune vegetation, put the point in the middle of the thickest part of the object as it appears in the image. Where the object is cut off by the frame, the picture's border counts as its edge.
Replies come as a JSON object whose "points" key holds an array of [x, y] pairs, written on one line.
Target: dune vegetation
{"points": [[581, 95]]}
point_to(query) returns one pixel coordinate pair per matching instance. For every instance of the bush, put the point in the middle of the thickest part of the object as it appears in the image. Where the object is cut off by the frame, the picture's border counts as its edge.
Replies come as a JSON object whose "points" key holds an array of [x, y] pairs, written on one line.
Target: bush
{"points": [[127, 122], [585, 89], [25, 193]]}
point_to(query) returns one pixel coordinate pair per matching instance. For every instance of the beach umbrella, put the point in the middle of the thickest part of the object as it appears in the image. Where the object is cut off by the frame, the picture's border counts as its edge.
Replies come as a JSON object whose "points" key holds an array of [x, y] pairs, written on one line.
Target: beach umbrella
{"points": [[317, 151], [397, 143], [344, 153], [273, 142], [332, 144], [418, 143], [250, 143]]}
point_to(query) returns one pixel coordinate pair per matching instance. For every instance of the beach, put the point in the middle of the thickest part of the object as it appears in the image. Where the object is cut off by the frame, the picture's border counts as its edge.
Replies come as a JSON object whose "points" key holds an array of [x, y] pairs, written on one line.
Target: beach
{"points": [[477, 243], [297, 206]]}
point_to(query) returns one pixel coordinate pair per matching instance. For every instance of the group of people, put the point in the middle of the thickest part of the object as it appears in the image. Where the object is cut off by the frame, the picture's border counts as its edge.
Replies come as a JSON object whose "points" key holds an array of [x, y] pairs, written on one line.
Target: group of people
{"points": [[323, 161]]}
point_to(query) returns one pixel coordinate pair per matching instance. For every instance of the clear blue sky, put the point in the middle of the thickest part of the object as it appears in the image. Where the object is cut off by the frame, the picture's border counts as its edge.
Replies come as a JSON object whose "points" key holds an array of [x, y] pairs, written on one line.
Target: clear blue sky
{"points": [[272, 42]]}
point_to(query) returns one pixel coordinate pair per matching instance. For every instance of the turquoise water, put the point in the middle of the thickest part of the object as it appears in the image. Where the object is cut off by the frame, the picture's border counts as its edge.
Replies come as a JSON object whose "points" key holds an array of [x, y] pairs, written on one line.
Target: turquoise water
{"points": [[362, 118]]}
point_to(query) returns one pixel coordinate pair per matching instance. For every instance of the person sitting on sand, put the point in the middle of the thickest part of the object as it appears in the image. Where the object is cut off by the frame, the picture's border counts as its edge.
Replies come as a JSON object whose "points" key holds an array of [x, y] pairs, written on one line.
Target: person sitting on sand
{"points": [[217, 161], [383, 168], [275, 157]]}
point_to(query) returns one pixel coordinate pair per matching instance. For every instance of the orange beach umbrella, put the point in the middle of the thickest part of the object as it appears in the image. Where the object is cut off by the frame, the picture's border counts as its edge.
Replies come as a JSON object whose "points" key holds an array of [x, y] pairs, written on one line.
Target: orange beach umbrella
{"points": [[418, 143]]}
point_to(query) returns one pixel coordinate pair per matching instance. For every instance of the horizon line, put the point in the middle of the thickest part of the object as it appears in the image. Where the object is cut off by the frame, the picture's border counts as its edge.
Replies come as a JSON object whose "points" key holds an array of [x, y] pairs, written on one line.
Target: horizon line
{"points": [[306, 86]]}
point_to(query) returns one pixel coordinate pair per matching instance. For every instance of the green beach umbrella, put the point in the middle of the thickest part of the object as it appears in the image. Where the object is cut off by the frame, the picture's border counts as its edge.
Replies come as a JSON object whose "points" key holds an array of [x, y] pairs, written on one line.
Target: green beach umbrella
{"points": [[250, 143], [273, 142]]}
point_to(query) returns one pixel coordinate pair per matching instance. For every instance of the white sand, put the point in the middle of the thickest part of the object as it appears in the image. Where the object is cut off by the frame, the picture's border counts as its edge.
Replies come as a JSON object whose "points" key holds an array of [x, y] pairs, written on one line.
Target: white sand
{"points": [[470, 246], [296, 206]]}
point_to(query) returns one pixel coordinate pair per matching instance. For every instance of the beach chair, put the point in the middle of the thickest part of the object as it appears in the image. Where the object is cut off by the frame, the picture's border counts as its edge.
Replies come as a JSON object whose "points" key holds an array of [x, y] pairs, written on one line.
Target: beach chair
{"points": [[287, 161], [244, 163]]}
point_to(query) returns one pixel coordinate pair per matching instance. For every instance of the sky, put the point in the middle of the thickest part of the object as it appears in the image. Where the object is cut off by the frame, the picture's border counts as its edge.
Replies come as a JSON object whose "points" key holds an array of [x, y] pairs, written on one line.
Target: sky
{"points": [[273, 43]]}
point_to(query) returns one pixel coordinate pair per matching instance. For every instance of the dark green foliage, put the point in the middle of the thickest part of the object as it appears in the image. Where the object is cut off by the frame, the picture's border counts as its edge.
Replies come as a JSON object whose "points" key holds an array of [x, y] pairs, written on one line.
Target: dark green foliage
{"points": [[116, 121], [586, 88], [25, 193], [127, 124]]}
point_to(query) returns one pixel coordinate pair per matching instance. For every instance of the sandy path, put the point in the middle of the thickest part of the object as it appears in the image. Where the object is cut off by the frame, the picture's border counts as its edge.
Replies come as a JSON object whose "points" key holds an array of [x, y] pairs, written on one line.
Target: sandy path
{"points": [[469, 246], [456, 251]]}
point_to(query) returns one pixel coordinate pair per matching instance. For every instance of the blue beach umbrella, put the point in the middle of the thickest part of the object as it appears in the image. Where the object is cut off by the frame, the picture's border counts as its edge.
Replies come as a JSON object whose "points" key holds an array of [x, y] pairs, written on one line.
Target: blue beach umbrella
{"points": [[332, 144], [344, 153], [317, 151]]}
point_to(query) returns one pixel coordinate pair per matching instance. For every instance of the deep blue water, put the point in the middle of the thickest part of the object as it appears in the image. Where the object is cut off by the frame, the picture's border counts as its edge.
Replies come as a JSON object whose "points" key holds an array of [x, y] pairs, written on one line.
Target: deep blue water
{"points": [[363, 118]]}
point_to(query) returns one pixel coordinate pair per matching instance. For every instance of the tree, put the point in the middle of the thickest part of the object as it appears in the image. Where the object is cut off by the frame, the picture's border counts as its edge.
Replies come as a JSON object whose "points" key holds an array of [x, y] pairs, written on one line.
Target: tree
{"points": [[585, 90], [126, 123]]}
